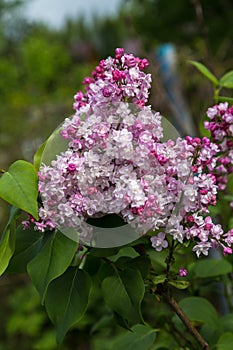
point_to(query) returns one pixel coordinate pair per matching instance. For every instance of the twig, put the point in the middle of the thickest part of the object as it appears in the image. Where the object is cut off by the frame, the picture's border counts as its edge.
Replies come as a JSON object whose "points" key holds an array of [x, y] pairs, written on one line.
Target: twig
{"points": [[180, 313], [170, 258]]}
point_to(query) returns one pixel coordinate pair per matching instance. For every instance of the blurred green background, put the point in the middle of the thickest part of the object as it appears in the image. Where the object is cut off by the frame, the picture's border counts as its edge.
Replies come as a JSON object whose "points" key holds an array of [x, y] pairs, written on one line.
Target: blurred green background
{"points": [[41, 68]]}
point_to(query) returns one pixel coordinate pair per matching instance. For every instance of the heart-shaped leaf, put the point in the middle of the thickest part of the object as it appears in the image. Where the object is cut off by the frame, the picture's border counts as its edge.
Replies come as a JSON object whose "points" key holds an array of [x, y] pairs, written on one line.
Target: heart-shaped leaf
{"points": [[52, 261], [123, 293], [67, 299]]}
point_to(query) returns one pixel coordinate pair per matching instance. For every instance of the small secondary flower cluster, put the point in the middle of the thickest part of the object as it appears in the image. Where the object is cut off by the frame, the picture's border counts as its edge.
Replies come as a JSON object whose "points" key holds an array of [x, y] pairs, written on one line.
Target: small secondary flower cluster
{"points": [[116, 79], [117, 162], [221, 129]]}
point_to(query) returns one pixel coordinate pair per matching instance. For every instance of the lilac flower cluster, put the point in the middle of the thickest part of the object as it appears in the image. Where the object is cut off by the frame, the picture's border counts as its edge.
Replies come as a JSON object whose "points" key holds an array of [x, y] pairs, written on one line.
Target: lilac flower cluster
{"points": [[114, 80], [221, 129], [117, 163]]}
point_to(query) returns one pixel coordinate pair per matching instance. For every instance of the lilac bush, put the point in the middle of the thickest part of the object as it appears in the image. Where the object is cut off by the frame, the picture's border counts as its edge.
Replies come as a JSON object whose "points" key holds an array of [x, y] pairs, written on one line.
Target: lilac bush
{"points": [[118, 162]]}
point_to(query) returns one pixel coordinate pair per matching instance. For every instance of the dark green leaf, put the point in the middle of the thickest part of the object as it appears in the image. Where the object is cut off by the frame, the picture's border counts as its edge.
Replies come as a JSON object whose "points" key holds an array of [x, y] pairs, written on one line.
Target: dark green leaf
{"points": [[211, 268], [227, 80], [165, 340], [52, 261], [123, 293], [92, 264], [158, 260], [140, 263], [28, 243], [7, 243], [200, 310], [140, 338], [104, 322], [105, 270], [124, 252], [67, 299], [103, 252], [205, 71], [227, 322], [18, 186], [225, 342]]}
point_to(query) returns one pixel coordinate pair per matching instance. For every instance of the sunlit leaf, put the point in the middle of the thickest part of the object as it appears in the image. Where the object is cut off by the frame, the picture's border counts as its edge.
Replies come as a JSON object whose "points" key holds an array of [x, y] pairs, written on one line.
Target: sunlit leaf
{"points": [[227, 80], [225, 99], [38, 155], [205, 71], [179, 284], [18, 186], [159, 279]]}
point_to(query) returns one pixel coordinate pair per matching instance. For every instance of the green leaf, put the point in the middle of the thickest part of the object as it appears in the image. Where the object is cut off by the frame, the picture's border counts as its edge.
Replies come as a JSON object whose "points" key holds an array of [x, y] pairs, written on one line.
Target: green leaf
{"points": [[159, 279], [124, 252], [200, 310], [28, 243], [165, 340], [202, 129], [53, 146], [67, 299], [140, 338], [227, 80], [52, 261], [123, 293], [179, 284], [225, 99], [205, 71], [211, 268], [140, 263], [18, 186], [7, 243], [38, 155], [227, 322], [225, 341], [103, 252], [105, 321]]}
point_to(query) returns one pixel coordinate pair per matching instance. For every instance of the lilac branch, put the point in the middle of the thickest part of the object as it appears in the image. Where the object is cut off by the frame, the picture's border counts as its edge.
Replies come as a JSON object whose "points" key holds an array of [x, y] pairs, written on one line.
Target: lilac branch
{"points": [[184, 318]]}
